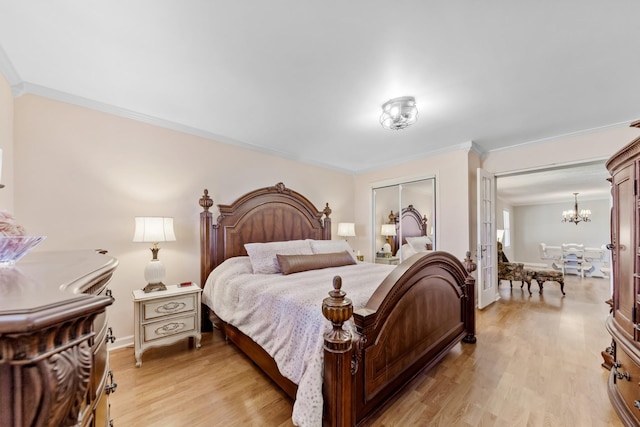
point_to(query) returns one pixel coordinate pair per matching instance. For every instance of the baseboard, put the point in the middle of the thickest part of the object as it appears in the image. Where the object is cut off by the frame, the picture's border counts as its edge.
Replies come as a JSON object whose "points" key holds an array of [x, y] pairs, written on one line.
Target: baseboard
{"points": [[121, 343]]}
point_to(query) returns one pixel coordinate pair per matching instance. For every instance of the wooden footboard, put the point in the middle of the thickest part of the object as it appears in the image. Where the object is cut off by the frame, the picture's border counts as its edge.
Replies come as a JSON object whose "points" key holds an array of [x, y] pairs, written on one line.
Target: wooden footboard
{"points": [[422, 309]]}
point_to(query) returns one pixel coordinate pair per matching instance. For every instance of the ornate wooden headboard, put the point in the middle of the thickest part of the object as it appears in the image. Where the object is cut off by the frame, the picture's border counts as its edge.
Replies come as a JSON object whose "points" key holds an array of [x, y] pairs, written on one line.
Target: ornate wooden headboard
{"points": [[413, 225], [268, 214]]}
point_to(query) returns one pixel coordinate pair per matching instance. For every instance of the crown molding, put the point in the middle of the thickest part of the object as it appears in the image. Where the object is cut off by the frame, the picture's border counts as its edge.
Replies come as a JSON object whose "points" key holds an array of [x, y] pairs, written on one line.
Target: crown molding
{"points": [[562, 136], [468, 146], [10, 73], [68, 98], [21, 88]]}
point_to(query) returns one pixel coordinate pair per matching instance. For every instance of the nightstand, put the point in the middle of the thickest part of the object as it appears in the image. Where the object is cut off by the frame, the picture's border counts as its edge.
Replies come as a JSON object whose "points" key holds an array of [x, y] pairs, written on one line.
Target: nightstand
{"points": [[394, 260], [164, 317]]}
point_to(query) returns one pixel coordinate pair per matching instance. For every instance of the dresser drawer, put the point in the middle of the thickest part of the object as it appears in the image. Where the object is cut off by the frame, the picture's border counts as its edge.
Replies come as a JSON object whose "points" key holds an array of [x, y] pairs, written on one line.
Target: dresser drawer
{"points": [[168, 306], [168, 327], [100, 368], [628, 385]]}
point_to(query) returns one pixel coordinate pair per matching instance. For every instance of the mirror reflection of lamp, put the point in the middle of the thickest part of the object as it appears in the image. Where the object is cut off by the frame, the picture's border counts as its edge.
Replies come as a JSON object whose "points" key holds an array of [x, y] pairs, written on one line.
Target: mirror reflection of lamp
{"points": [[388, 231]]}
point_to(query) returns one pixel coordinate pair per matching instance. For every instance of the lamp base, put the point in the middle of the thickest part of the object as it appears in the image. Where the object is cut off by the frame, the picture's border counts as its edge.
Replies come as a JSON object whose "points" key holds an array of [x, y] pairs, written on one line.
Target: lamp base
{"points": [[153, 287], [154, 274]]}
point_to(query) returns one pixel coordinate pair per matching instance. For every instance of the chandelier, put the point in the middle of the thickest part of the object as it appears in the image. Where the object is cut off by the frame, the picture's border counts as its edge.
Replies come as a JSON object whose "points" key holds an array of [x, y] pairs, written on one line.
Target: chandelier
{"points": [[572, 214], [398, 113]]}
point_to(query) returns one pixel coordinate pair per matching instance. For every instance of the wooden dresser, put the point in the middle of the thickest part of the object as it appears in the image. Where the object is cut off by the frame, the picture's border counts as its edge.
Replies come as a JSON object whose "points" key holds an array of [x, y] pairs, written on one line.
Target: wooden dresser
{"points": [[624, 322], [54, 368]]}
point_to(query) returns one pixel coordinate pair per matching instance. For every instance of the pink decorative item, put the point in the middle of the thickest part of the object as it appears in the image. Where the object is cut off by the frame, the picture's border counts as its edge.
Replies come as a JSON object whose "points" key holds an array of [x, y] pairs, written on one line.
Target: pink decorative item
{"points": [[13, 242]]}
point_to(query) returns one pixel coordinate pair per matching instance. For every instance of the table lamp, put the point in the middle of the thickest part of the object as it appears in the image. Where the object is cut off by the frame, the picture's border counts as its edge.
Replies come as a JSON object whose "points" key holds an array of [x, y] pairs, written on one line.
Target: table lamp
{"points": [[346, 229], [154, 229], [388, 231]]}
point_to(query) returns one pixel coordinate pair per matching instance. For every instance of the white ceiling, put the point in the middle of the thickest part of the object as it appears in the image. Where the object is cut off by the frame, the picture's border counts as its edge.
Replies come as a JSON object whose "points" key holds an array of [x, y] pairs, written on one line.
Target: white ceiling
{"points": [[306, 79]]}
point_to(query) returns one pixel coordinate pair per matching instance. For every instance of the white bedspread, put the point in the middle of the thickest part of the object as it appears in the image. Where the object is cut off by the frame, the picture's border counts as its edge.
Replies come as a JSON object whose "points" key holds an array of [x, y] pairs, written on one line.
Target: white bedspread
{"points": [[284, 315]]}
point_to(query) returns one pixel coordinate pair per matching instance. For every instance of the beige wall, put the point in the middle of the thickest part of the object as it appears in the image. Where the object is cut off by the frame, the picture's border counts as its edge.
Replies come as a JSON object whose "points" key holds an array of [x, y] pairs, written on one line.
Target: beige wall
{"points": [[452, 198], [82, 176], [572, 149], [6, 143]]}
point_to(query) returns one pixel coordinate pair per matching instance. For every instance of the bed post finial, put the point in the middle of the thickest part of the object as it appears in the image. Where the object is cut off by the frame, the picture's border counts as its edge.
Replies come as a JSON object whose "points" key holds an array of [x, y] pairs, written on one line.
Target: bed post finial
{"points": [[207, 237], [326, 223], [338, 309], [469, 264], [338, 350], [205, 201], [470, 304], [327, 210]]}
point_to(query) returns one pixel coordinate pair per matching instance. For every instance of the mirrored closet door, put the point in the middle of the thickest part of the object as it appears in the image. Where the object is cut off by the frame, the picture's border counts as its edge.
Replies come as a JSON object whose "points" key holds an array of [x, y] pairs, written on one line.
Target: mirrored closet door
{"points": [[404, 220]]}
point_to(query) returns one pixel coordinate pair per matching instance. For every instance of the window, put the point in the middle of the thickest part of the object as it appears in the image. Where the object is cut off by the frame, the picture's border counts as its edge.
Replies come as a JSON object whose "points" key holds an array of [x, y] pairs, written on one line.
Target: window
{"points": [[506, 224]]}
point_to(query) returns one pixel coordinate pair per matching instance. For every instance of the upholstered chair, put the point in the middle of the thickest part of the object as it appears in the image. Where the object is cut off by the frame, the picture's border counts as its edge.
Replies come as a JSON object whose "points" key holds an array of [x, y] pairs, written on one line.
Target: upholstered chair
{"points": [[511, 270]]}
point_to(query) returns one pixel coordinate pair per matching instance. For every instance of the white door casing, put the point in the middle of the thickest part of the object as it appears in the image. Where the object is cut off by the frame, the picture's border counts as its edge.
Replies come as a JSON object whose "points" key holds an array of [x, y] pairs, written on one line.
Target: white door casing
{"points": [[487, 251]]}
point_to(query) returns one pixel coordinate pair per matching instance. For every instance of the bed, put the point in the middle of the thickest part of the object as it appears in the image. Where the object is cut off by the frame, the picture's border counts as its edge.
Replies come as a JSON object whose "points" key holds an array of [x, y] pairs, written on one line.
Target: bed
{"points": [[370, 352], [411, 227]]}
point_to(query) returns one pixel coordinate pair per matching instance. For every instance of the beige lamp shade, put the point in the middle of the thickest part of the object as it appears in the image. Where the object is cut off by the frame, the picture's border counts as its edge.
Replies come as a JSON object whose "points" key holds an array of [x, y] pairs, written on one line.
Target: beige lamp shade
{"points": [[154, 229], [346, 229], [388, 230]]}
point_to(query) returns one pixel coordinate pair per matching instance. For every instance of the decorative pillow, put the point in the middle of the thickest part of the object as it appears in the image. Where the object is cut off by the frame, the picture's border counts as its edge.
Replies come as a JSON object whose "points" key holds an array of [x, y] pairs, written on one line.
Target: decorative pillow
{"points": [[419, 244], [263, 255], [297, 263], [330, 246]]}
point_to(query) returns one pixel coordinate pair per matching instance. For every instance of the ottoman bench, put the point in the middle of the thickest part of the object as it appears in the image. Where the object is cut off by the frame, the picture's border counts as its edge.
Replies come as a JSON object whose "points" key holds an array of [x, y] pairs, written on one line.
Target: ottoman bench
{"points": [[542, 276]]}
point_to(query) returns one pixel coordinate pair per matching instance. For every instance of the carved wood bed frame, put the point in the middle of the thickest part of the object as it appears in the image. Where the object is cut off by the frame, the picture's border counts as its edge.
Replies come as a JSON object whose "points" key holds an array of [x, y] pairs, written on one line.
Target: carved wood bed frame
{"points": [[413, 225], [416, 315]]}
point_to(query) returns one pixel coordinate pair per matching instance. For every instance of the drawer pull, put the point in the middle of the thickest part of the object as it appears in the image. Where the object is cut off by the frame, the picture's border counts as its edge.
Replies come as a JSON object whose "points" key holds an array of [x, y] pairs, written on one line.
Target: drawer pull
{"points": [[636, 403], [171, 328], [170, 307], [626, 375], [110, 337], [109, 294], [111, 387]]}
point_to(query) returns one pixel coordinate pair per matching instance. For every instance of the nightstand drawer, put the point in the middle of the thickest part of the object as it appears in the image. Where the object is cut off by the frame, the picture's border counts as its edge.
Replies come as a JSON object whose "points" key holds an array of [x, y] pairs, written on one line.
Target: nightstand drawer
{"points": [[394, 260], [167, 306], [168, 327], [164, 317]]}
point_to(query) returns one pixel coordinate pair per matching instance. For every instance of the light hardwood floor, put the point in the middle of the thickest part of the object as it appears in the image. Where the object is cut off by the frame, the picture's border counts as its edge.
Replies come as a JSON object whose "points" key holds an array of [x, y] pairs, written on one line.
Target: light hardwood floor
{"points": [[536, 363]]}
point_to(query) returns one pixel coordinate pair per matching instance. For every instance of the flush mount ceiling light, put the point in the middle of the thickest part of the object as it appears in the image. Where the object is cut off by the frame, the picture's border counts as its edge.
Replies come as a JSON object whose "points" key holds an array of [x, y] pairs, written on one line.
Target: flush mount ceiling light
{"points": [[398, 113]]}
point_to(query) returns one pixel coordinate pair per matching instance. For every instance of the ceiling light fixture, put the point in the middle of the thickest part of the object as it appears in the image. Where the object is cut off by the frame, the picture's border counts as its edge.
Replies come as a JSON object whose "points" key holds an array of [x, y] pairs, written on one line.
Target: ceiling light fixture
{"points": [[572, 214], [398, 113]]}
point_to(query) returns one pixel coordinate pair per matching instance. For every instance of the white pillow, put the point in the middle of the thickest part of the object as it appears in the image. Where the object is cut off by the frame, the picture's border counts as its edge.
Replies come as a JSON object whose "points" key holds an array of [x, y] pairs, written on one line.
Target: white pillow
{"points": [[263, 255], [406, 251], [330, 247], [419, 244]]}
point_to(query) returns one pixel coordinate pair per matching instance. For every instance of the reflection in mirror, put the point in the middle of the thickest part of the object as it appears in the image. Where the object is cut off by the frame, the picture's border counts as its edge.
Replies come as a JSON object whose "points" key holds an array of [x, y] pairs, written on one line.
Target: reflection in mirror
{"points": [[404, 220], [386, 201]]}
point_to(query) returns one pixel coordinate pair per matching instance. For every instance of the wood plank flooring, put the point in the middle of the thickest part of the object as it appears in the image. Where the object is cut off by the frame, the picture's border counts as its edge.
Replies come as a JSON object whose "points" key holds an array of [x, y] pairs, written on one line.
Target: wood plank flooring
{"points": [[536, 363]]}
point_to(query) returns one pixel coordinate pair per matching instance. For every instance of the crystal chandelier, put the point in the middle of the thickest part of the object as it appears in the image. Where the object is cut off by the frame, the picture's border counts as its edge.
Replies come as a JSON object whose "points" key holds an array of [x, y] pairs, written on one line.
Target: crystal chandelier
{"points": [[572, 214], [398, 113]]}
